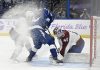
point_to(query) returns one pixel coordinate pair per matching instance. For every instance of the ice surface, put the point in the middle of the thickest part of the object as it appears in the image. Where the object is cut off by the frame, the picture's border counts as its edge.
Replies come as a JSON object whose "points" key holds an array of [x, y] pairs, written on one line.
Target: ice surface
{"points": [[7, 47]]}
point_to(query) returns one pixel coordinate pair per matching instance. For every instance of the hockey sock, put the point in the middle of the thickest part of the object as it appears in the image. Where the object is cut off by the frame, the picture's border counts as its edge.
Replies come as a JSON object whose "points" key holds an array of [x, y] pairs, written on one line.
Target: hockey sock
{"points": [[31, 55], [53, 53]]}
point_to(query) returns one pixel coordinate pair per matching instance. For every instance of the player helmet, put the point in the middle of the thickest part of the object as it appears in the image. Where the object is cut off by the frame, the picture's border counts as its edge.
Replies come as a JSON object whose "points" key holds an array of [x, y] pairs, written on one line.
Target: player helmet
{"points": [[56, 31]]}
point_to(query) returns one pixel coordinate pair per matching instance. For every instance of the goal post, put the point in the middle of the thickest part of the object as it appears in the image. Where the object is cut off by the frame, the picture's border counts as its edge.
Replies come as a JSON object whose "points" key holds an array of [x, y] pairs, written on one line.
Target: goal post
{"points": [[94, 34]]}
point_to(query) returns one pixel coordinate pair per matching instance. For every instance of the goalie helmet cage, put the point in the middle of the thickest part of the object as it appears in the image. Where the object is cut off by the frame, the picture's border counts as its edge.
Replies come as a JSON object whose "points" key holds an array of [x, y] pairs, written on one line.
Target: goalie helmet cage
{"points": [[93, 36]]}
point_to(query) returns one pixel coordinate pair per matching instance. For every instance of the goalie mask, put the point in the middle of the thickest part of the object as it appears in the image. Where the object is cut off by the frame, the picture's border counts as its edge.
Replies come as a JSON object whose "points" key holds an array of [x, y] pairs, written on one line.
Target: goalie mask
{"points": [[58, 32]]}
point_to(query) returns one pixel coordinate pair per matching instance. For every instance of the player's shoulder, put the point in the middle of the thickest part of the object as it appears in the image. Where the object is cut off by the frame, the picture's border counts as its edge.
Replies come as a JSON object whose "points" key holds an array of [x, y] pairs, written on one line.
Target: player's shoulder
{"points": [[65, 31]]}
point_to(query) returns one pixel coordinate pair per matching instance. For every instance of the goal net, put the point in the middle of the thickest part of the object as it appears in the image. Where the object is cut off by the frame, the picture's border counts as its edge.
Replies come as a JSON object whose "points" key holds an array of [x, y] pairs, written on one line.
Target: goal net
{"points": [[94, 35]]}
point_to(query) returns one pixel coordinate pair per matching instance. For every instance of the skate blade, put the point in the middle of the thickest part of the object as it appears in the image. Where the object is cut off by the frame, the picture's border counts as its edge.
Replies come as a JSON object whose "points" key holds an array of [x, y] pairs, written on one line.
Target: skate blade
{"points": [[57, 64]]}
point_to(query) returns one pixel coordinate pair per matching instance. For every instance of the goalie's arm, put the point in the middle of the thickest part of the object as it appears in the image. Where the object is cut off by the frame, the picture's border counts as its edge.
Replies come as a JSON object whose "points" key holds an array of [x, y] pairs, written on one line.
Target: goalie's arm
{"points": [[64, 48], [60, 43]]}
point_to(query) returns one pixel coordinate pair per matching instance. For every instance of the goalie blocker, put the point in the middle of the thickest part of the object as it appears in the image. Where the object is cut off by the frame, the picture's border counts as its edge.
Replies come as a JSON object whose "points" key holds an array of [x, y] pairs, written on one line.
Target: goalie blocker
{"points": [[70, 42]]}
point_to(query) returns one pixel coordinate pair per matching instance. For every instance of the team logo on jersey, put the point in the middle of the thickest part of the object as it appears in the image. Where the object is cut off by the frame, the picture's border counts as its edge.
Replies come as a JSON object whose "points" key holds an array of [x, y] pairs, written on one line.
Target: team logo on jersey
{"points": [[65, 40]]}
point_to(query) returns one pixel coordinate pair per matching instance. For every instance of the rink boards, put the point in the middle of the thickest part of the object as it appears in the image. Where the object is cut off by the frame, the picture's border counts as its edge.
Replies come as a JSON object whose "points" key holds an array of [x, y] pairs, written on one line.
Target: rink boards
{"points": [[80, 26]]}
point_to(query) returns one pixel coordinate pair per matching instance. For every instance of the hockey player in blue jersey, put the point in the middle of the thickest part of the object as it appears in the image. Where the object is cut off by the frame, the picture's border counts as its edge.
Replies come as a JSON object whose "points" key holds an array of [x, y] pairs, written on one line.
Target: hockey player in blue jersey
{"points": [[40, 37]]}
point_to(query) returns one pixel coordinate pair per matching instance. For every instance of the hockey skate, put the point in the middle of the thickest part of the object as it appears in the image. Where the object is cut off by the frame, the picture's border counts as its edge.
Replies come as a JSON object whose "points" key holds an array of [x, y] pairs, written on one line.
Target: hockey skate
{"points": [[31, 56], [34, 58], [55, 61], [28, 59]]}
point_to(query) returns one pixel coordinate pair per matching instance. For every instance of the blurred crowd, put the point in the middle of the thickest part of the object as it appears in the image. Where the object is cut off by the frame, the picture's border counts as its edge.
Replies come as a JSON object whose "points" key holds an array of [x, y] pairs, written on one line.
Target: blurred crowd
{"points": [[58, 7], [5, 5]]}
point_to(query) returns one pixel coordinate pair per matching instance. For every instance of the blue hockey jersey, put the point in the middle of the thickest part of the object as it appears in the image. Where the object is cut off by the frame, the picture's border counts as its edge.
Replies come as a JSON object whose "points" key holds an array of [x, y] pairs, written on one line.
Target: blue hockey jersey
{"points": [[45, 19]]}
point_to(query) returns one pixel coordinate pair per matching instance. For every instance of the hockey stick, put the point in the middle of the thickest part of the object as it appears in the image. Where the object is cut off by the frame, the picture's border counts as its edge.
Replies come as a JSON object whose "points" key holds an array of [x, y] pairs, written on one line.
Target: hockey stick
{"points": [[54, 44]]}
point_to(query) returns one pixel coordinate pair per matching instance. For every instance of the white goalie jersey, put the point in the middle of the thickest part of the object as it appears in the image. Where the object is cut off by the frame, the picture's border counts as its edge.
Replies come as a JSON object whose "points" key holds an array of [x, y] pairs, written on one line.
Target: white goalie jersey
{"points": [[66, 40]]}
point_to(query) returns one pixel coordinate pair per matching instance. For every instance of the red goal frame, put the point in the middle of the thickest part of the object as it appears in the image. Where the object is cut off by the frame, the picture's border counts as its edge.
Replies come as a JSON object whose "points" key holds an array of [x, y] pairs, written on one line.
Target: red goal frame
{"points": [[93, 36]]}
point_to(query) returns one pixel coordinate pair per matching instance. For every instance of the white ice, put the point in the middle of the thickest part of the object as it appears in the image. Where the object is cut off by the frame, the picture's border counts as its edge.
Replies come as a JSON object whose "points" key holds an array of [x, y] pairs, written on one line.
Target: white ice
{"points": [[7, 47]]}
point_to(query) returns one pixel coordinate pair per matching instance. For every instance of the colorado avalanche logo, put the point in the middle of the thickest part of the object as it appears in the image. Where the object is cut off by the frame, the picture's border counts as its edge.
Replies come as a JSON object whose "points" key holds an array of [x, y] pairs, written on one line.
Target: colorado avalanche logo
{"points": [[65, 40]]}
